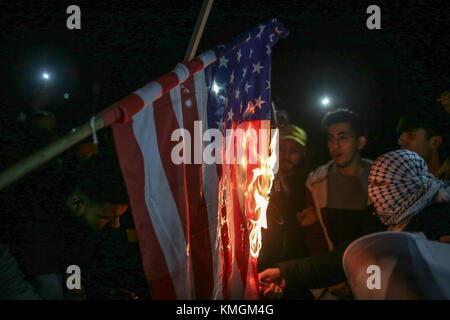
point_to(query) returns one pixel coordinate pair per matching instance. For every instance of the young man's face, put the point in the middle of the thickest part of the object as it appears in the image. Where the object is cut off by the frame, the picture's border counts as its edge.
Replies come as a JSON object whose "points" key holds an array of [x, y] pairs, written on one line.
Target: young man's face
{"points": [[343, 144], [291, 154], [98, 216], [416, 140], [104, 216]]}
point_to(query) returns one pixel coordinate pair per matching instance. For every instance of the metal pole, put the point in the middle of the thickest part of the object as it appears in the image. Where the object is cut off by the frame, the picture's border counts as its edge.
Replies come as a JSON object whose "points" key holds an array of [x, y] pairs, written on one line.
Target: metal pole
{"points": [[198, 29]]}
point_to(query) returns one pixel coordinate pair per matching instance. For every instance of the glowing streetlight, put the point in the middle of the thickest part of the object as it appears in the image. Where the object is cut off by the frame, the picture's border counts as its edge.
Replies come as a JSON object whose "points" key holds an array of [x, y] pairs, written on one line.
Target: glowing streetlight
{"points": [[45, 76], [325, 101]]}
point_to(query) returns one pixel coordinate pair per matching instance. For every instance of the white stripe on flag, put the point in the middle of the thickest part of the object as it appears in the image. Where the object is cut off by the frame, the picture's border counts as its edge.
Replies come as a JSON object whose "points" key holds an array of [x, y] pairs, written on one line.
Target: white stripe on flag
{"points": [[150, 92], [182, 72], [162, 208], [210, 185], [207, 57], [175, 96]]}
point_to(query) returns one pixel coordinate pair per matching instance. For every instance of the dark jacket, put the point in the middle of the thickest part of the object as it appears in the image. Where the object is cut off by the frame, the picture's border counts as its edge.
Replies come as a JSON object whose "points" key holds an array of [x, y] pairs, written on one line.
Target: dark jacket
{"points": [[284, 238], [13, 285], [433, 221]]}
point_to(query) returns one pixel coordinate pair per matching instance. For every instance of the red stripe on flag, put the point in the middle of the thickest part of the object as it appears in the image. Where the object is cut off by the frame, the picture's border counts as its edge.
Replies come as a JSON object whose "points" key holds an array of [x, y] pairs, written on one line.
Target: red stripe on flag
{"points": [[241, 238], [194, 65], [165, 124], [167, 82], [200, 242], [253, 273], [132, 165], [123, 110]]}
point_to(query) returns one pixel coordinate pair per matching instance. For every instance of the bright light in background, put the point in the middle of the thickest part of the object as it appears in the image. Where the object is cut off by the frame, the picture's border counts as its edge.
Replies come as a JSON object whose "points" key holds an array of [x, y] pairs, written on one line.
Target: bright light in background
{"points": [[66, 96], [325, 101], [45, 76], [215, 88]]}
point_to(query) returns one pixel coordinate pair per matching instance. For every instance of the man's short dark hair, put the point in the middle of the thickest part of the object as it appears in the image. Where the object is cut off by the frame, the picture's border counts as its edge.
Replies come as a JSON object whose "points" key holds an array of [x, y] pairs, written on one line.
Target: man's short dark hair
{"points": [[344, 116], [101, 180], [435, 123]]}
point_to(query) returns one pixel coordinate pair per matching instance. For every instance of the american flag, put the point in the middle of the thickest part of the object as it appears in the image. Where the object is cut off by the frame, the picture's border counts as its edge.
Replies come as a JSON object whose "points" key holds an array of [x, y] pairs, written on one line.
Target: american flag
{"points": [[191, 218]]}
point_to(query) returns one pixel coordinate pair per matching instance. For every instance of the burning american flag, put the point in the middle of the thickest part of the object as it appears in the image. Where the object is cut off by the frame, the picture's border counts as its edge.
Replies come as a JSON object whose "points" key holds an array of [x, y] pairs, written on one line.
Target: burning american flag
{"points": [[198, 221]]}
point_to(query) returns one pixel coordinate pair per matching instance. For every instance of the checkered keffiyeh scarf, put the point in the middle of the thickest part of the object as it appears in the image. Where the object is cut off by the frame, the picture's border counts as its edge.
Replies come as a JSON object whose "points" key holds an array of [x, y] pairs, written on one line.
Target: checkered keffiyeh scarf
{"points": [[400, 187]]}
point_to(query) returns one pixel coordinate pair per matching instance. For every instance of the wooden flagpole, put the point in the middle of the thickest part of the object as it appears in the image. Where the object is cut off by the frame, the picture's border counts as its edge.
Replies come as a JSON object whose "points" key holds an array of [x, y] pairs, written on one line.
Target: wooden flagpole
{"points": [[34, 161], [198, 30]]}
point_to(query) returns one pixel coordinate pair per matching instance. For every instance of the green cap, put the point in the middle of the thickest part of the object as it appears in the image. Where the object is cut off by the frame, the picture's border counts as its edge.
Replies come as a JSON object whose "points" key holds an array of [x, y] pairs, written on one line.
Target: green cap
{"points": [[295, 133]]}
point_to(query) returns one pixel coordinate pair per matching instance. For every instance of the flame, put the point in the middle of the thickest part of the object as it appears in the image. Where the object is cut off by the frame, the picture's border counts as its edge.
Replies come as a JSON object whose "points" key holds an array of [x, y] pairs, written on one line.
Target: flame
{"points": [[250, 110], [258, 196]]}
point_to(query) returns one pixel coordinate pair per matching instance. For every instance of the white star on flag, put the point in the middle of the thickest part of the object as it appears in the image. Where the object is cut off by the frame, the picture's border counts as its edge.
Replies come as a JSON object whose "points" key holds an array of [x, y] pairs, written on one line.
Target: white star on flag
{"points": [[239, 55], [248, 38], [237, 93], [232, 77], [268, 50], [223, 61], [247, 86], [268, 84], [257, 68], [261, 28], [259, 102], [245, 72], [219, 125], [251, 52], [230, 115]]}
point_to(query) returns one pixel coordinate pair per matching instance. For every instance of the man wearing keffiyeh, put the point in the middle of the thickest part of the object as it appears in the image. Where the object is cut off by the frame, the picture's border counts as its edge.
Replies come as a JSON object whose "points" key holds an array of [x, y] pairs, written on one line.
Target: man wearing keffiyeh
{"points": [[401, 187], [406, 197]]}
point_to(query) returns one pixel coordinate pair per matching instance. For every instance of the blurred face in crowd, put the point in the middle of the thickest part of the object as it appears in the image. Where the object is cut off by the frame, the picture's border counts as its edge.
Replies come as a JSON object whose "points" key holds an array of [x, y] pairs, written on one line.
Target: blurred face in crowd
{"points": [[98, 216], [343, 145], [291, 155], [417, 141]]}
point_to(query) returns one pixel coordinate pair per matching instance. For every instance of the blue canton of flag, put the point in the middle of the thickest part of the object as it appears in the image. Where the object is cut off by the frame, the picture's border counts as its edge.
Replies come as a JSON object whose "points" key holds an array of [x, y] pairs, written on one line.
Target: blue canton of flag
{"points": [[239, 81]]}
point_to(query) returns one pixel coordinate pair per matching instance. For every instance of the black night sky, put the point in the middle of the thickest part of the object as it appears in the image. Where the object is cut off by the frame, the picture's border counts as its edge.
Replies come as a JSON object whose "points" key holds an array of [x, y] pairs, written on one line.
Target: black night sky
{"points": [[122, 45]]}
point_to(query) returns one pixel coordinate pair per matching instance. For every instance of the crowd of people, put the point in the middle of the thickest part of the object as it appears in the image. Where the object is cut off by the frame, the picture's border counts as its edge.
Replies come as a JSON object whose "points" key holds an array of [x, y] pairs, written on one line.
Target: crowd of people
{"points": [[326, 226], [353, 211]]}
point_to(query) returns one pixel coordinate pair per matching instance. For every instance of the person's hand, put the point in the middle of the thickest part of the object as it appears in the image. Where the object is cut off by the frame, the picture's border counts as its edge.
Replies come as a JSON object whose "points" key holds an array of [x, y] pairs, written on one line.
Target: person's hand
{"points": [[307, 216], [271, 283]]}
